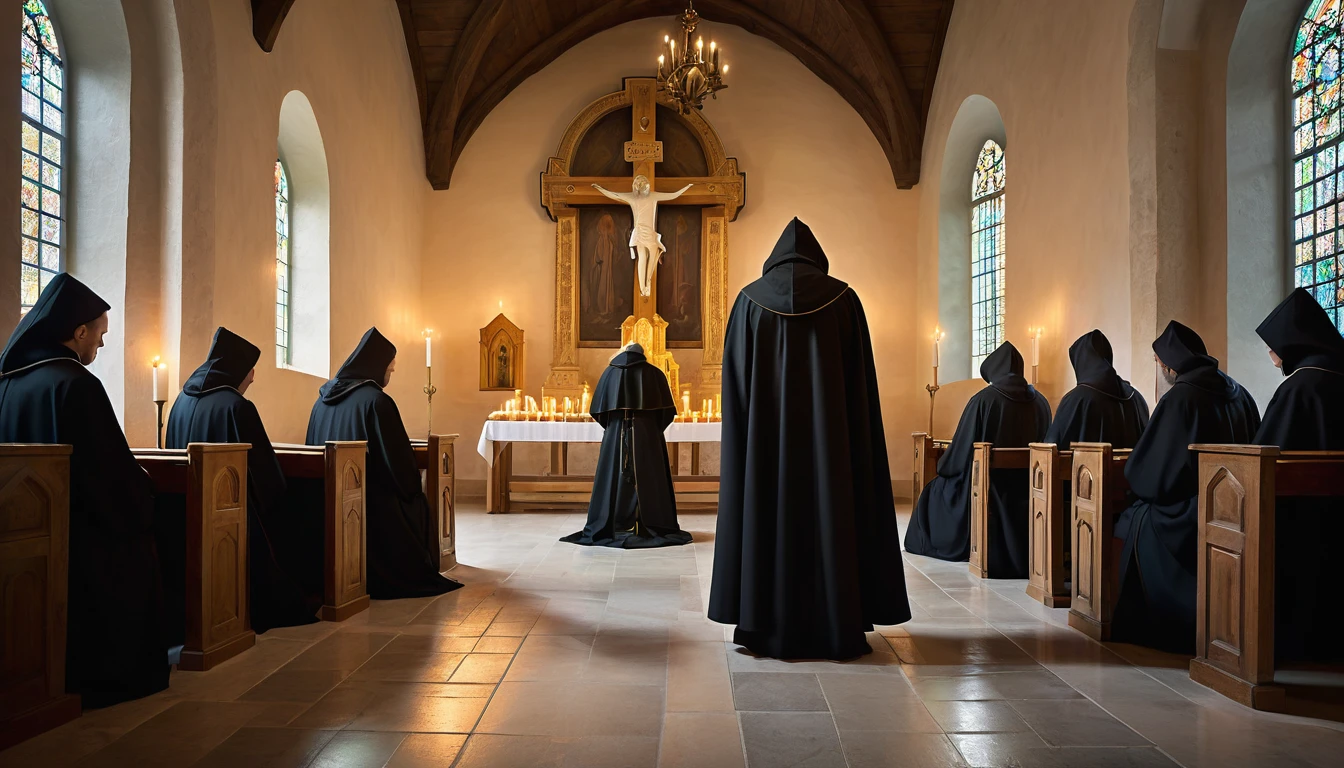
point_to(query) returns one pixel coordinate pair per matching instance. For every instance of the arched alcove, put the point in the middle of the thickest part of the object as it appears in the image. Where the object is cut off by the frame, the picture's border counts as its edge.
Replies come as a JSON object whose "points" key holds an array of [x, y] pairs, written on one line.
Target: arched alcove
{"points": [[1258, 245], [977, 121], [305, 159], [97, 52]]}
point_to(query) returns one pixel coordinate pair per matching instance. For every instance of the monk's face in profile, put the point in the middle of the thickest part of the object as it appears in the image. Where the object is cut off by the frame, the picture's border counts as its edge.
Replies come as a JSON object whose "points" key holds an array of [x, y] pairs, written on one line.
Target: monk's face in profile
{"points": [[88, 339], [1273, 358], [1168, 375], [387, 377], [247, 381]]}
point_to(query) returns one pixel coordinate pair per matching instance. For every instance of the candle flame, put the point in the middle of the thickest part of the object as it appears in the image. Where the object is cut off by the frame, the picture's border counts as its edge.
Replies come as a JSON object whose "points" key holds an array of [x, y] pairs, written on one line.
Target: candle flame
{"points": [[427, 332], [155, 362], [666, 38], [712, 45], [725, 69]]}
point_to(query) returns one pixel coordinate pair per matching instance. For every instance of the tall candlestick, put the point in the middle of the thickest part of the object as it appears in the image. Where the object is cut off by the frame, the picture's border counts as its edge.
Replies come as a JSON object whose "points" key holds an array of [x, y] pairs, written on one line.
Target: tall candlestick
{"points": [[429, 391]]}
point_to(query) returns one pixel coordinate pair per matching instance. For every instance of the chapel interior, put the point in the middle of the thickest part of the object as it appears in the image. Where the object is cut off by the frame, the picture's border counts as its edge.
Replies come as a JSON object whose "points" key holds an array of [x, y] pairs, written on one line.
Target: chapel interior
{"points": [[458, 174]]}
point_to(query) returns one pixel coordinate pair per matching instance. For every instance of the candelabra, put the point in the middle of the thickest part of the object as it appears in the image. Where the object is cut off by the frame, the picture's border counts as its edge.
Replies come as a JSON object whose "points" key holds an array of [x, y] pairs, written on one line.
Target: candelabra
{"points": [[933, 393], [429, 391]]}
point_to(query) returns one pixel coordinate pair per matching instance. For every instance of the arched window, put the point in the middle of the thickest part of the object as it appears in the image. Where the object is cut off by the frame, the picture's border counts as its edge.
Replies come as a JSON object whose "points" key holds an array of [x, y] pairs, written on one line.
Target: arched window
{"points": [[987, 253], [43, 132], [282, 266], [1318, 157]]}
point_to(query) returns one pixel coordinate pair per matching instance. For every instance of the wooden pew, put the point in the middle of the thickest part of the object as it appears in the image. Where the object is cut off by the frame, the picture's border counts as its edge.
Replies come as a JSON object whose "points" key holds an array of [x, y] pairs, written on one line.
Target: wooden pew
{"points": [[1099, 494], [927, 453], [34, 574], [985, 459], [1048, 577], [1234, 649], [213, 478], [435, 457], [340, 465]]}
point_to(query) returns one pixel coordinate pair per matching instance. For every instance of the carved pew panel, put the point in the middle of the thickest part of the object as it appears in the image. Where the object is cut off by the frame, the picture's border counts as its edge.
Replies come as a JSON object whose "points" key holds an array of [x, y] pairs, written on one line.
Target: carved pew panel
{"points": [[1239, 486], [927, 453], [437, 460], [984, 460], [213, 477], [341, 467], [34, 574], [1099, 489], [1047, 581]]}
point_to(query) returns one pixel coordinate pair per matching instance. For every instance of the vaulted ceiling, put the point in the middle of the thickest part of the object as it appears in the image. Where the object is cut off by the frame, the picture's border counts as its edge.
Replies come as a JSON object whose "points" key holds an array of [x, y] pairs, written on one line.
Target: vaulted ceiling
{"points": [[467, 55]]}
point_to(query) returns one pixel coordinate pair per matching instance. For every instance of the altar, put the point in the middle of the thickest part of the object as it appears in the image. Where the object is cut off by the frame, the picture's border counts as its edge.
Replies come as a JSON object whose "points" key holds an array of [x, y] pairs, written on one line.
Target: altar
{"points": [[506, 492]]}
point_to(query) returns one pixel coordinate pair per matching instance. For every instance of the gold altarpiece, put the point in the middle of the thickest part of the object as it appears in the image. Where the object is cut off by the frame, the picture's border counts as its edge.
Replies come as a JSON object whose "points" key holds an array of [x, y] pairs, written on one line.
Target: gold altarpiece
{"points": [[721, 194]]}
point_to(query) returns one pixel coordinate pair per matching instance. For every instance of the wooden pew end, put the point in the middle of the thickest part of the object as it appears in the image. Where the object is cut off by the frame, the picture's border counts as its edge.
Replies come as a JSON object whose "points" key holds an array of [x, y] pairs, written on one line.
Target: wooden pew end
{"points": [[1269, 698], [345, 610]]}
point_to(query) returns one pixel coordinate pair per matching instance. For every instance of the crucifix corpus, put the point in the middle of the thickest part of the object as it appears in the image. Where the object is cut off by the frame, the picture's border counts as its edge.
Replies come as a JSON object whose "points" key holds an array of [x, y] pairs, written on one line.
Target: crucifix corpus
{"points": [[646, 245], [589, 169]]}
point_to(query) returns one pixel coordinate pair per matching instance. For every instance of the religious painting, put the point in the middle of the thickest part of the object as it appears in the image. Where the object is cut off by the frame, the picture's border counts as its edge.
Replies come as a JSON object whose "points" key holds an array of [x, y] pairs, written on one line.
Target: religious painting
{"points": [[679, 275], [502, 359], [606, 274]]}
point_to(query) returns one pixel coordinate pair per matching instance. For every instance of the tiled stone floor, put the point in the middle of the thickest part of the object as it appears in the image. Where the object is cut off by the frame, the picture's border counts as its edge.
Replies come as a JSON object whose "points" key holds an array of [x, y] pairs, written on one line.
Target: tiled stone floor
{"points": [[557, 655]]}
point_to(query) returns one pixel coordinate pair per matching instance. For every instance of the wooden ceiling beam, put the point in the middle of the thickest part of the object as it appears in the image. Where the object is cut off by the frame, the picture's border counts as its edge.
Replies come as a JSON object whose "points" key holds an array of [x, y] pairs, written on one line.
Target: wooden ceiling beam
{"points": [[267, 18]]}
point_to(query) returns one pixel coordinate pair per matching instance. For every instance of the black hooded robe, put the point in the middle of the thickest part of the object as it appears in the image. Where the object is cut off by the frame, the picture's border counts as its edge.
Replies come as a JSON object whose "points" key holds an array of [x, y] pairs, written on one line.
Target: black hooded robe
{"points": [[1009, 413], [1103, 408], [1158, 579], [633, 505], [808, 554], [116, 642], [1305, 414], [210, 409], [402, 557]]}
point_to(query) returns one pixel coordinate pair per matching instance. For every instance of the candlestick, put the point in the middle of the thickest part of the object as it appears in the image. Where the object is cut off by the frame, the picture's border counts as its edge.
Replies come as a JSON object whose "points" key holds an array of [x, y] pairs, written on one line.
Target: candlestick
{"points": [[429, 391], [933, 393]]}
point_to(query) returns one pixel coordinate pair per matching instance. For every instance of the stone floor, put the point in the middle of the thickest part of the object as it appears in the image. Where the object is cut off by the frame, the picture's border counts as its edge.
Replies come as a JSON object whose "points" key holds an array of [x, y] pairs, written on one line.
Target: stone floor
{"points": [[557, 655]]}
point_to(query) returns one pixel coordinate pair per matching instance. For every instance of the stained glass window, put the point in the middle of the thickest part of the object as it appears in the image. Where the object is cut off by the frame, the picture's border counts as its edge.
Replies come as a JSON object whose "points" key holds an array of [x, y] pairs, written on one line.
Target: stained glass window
{"points": [[1318, 157], [43, 132], [282, 265], [988, 248]]}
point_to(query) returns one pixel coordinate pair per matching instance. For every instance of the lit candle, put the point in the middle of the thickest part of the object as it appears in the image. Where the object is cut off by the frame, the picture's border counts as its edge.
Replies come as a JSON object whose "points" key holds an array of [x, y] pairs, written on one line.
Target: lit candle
{"points": [[686, 401], [937, 338], [160, 380], [1036, 347], [718, 404], [428, 345], [586, 397]]}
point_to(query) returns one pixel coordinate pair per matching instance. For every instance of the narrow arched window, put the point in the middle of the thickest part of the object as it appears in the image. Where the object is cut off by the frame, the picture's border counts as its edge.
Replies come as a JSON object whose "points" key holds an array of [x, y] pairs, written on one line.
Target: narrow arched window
{"points": [[1318, 158], [987, 253], [42, 223], [283, 270]]}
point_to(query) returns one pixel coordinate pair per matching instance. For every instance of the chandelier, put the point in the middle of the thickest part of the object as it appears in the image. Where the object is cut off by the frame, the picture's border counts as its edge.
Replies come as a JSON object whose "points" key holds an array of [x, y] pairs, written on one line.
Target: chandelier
{"points": [[684, 72]]}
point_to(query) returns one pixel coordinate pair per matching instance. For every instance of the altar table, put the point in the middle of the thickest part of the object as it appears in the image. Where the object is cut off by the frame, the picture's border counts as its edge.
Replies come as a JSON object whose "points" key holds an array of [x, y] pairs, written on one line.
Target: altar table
{"points": [[560, 490]]}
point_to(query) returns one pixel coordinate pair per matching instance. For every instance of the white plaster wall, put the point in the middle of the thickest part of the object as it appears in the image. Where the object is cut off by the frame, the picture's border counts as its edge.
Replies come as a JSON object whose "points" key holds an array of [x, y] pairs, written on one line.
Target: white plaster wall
{"points": [[349, 58], [805, 151], [1056, 71]]}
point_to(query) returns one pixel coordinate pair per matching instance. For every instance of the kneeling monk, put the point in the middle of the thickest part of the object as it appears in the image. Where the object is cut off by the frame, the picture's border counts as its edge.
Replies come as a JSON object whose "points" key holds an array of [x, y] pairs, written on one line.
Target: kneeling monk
{"points": [[353, 406], [632, 504]]}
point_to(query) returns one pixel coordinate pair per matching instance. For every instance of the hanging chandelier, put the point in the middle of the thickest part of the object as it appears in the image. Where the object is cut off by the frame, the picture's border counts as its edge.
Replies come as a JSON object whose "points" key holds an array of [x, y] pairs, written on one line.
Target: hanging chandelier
{"points": [[684, 72]]}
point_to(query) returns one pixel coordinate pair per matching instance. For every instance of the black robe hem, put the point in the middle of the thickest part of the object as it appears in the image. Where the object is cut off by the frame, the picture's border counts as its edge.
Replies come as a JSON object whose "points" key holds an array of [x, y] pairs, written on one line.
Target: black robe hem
{"points": [[650, 539], [786, 646]]}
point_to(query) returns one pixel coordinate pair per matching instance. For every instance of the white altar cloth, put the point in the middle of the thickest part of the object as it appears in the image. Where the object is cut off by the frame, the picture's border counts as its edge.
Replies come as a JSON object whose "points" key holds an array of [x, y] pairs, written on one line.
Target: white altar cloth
{"points": [[580, 432]]}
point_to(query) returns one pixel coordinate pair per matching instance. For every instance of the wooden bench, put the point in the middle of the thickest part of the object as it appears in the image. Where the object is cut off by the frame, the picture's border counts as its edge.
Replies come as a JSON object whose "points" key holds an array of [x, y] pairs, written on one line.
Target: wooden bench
{"points": [[340, 465], [927, 453], [34, 578], [1234, 649], [1048, 577], [1099, 494], [213, 479], [435, 457], [985, 459]]}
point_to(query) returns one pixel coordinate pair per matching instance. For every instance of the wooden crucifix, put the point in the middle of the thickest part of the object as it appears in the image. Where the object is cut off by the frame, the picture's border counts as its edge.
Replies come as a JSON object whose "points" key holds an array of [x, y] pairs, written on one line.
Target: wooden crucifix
{"points": [[720, 192]]}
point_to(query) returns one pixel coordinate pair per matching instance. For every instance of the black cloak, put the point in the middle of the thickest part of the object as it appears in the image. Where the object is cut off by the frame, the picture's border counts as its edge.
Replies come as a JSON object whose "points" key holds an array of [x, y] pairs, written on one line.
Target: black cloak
{"points": [[116, 641], [1009, 413], [1305, 414], [632, 505], [403, 556], [1161, 528], [210, 409], [1103, 408], [807, 555]]}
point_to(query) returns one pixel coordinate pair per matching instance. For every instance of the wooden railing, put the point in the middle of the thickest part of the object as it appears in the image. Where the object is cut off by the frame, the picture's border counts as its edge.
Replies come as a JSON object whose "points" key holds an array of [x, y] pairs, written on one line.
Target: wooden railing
{"points": [[213, 479], [985, 459], [1048, 577], [1099, 494], [34, 574], [340, 465], [436, 458], [927, 453], [1238, 488]]}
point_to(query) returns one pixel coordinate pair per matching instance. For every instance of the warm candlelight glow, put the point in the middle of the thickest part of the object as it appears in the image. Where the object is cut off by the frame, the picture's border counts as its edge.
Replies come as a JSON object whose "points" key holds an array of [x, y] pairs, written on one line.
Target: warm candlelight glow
{"points": [[429, 341], [160, 379]]}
